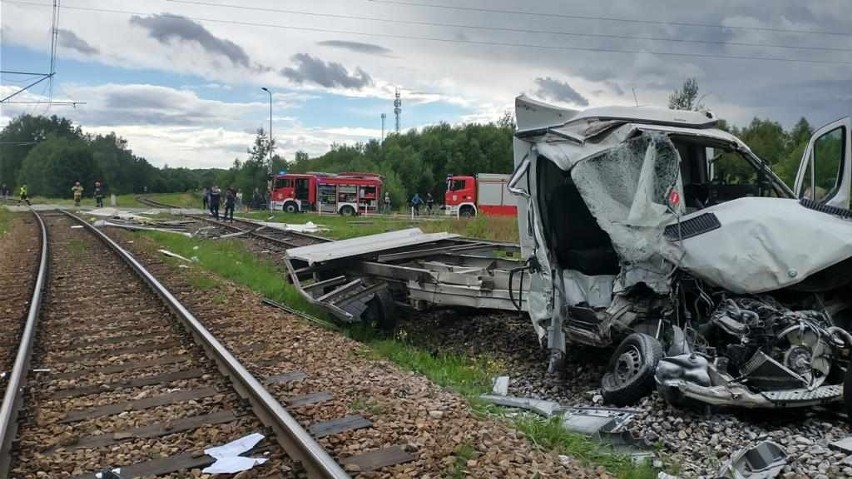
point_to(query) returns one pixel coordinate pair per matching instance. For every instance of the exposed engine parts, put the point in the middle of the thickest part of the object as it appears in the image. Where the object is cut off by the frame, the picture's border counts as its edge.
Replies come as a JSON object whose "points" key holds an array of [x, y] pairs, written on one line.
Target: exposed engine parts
{"points": [[754, 351]]}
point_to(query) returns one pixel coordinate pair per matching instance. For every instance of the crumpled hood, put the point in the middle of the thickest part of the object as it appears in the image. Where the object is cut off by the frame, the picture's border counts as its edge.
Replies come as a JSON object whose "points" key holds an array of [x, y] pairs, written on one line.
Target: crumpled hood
{"points": [[764, 244]]}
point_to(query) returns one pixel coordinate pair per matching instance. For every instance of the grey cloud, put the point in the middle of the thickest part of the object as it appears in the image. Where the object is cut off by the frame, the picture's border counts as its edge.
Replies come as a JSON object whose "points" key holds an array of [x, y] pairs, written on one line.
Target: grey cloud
{"points": [[560, 91], [69, 39], [165, 28], [358, 47], [328, 74]]}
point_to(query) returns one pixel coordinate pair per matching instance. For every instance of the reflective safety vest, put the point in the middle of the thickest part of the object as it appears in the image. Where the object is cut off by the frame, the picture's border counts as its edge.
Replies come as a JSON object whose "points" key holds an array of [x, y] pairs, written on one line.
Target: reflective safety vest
{"points": [[23, 191]]}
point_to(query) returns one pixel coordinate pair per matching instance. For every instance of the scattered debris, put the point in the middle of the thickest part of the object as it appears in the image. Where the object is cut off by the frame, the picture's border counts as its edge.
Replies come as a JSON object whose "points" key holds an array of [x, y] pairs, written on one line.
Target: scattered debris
{"points": [[416, 268], [501, 385], [76, 227], [538, 406], [763, 461], [844, 445], [174, 255], [608, 425], [308, 227], [136, 227], [109, 474], [228, 458]]}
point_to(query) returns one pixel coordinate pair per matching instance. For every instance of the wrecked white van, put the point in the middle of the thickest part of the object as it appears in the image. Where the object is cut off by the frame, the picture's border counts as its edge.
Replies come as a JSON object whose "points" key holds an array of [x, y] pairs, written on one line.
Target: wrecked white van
{"points": [[656, 232]]}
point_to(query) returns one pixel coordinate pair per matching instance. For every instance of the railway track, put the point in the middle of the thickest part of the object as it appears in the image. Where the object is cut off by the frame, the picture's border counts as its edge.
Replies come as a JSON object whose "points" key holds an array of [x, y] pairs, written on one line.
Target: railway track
{"points": [[19, 268], [122, 375], [288, 239]]}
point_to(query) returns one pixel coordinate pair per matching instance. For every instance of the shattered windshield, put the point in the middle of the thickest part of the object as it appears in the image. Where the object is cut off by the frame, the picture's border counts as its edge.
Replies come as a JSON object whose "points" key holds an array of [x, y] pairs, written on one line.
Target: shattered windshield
{"points": [[625, 189]]}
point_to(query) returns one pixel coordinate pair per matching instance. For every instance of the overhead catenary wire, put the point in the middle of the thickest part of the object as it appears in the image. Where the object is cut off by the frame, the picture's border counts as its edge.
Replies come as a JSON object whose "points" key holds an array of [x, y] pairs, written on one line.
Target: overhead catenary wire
{"points": [[505, 29], [453, 40], [610, 19]]}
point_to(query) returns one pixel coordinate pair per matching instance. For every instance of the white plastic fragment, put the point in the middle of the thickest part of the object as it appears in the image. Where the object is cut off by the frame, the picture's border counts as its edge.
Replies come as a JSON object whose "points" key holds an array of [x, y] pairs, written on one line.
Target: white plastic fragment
{"points": [[501, 385], [100, 475], [228, 459], [76, 227], [174, 255]]}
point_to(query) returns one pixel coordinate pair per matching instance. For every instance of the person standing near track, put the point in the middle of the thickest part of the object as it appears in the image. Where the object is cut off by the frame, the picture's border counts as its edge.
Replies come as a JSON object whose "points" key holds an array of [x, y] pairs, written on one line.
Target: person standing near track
{"points": [[230, 201], [99, 195], [77, 189], [430, 202], [205, 198], [215, 199], [24, 196], [416, 201]]}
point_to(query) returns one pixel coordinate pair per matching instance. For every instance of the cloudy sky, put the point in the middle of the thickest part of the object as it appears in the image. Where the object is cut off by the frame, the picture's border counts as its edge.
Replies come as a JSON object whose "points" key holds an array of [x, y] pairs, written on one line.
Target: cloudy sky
{"points": [[181, 79]]}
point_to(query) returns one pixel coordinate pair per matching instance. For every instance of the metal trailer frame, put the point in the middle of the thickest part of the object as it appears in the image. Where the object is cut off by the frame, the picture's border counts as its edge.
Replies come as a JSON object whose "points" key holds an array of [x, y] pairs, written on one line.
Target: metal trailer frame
{"points": [[417, 269]]}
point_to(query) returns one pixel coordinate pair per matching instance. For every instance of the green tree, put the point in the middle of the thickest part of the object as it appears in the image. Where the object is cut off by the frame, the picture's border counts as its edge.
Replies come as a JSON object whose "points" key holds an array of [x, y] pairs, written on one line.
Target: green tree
{"points": [[686, 98], [22, 134], [52, 167]]}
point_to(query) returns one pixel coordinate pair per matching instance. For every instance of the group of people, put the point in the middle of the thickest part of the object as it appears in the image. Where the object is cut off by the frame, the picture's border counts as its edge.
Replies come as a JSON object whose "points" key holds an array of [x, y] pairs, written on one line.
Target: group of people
{"points": [[6, 194], [213, 199], [77, 191], [417, 202]]}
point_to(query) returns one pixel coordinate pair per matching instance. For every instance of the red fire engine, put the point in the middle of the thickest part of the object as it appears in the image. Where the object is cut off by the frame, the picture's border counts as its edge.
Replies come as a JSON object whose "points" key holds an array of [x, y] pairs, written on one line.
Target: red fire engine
{"points": [[344, 193], [484, 194]]}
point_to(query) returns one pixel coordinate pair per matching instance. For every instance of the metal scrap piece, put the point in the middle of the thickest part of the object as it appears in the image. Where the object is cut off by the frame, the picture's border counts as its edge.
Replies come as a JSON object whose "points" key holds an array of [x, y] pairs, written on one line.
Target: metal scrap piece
{"points": [[763, 461]]}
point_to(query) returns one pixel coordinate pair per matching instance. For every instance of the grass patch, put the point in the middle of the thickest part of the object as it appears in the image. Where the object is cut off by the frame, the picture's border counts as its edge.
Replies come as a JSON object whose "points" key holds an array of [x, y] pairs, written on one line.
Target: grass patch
{"points": [[231, 260], [469, 377], [550, 434], [78, 247], [494, 228], [121, 201], [366, 405], [463, 454], [5, 221], [182, 200]]}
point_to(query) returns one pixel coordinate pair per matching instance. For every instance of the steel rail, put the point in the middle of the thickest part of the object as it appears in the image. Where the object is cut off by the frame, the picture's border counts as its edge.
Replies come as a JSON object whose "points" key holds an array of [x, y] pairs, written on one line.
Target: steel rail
{"points": [[295, 441], [13, 398]]}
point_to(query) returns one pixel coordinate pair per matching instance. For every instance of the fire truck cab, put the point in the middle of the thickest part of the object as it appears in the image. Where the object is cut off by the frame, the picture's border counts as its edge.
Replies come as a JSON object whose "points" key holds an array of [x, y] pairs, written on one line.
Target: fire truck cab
{"points": [[486, 193], [347, 194]]}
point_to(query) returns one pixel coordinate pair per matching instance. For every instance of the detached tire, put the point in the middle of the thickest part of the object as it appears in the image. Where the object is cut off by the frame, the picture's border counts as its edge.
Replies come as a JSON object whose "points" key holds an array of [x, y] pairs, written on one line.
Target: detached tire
{"points": [[630, 375], [381, 312]]}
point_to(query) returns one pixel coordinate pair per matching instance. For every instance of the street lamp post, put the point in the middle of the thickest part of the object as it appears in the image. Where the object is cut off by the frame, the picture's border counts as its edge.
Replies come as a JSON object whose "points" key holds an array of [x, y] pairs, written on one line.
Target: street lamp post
{"points": [[270, 126], [269, 167]]}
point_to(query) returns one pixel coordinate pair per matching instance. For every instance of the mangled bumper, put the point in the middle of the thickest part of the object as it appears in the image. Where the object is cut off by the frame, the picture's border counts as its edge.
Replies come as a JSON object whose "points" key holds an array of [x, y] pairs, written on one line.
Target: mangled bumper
{"points": [[672, 385]]}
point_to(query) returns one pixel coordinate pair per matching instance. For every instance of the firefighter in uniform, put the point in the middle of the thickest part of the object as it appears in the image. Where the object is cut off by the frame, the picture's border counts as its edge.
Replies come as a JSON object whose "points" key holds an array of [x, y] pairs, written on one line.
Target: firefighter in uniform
{"points": [[77, 189], [99, 195]]}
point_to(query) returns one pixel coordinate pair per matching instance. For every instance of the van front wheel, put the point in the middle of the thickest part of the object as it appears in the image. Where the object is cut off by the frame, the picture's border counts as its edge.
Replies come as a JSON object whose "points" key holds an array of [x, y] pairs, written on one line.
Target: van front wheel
{"points": [[630, 375]]}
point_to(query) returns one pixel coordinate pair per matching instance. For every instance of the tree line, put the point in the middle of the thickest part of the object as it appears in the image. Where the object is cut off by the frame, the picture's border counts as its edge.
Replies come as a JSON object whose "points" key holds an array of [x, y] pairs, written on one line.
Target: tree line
{"points": [[781, 149], [49, 154]]}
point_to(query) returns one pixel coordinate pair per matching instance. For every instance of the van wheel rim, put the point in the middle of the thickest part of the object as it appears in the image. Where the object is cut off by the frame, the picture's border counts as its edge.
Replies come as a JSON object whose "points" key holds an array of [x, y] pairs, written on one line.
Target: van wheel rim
{"points": [[628, 365]]}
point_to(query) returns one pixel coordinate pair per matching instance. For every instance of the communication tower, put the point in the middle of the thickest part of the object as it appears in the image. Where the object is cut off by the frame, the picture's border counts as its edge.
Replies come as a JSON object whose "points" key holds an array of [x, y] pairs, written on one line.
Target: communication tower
{"points": [[397, 108]]}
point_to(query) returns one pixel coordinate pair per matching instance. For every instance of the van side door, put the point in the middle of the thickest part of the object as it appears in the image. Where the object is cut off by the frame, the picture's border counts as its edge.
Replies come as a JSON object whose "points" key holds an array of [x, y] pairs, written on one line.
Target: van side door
{"points": [[825, 172]]}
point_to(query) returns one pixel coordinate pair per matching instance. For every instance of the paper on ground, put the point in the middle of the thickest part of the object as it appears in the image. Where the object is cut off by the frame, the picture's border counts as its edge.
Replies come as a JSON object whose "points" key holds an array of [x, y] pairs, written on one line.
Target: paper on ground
{"points": [[228, 459]]}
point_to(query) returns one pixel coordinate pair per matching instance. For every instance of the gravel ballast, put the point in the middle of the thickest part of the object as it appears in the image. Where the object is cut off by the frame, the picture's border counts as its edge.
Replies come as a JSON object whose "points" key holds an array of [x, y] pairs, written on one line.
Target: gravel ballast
{"points": [[405, 409]]}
